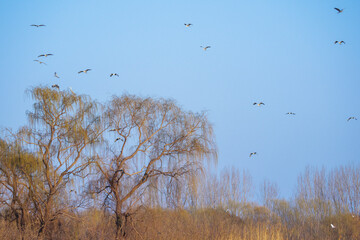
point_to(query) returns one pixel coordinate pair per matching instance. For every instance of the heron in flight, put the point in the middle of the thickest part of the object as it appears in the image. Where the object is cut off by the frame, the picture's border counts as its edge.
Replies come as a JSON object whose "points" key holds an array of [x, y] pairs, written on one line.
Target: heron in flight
{"points": [[114, 74], [35, 25], [259, 104], [40, 62], [84, 71], [253, 153], [339, 10], [352, 118], [290, 113], [55, 86], [55, 75], [205, 48], [339, 42], [188, 24], [45, 55]]}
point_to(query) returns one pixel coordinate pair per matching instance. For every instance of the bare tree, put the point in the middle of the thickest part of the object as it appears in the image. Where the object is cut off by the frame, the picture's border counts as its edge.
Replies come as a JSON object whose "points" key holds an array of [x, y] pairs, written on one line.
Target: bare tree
{"points": [[62, 126], [268, 192], [150, 138]]}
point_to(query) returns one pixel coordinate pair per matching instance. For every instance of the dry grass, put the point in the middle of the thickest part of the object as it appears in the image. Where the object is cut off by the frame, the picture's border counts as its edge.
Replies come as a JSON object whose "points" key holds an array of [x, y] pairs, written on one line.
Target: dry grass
{"points": [[209, 224]]}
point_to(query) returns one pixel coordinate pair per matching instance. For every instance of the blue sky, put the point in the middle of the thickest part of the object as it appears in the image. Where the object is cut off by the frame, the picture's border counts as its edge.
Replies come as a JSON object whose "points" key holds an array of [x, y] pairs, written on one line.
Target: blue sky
{"points": [[279, 52]]}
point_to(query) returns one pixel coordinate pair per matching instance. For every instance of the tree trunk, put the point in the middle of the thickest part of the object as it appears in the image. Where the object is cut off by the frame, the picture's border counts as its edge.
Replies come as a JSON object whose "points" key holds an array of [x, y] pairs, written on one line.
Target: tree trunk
{"points": [[120, 224], [22, 224], [46, 218]]}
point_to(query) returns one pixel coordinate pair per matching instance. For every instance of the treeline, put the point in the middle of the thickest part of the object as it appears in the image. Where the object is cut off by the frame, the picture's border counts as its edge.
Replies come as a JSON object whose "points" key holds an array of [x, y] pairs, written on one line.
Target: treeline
{"points": [[134, 168]]}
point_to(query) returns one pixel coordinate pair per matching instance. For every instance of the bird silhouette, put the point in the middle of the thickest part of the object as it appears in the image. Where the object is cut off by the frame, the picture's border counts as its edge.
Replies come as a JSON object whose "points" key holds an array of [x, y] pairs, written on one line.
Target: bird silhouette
{"points": [[35, 25], [253, 153], [45, 55], [205, 48], [84, 71], [55, 75], [259, 104], [114, 74], [290, 113], [339, 10], [188, 24], [339, 42], [118, 139], [55, 86], [40, 62], [351, 118]]}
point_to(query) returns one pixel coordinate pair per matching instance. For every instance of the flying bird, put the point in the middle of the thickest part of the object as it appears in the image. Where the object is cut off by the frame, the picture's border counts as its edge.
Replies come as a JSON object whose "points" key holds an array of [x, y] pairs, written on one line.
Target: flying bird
{"points": [[339, 10], [45, 55], [205, 48], [39, 62], [352, 118], [35, 25], [188, 24], [84, 71], [55, 86], [259, 104], [118, 139], [114, 74], [55, 75], [290, 113], [332, 226], [339, 42], [253, 153]]}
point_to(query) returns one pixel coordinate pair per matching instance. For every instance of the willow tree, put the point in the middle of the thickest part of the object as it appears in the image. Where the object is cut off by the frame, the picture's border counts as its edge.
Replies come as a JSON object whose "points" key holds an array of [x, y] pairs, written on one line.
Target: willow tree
{"points": [[62, 129], [149, 138], [15, 197]]}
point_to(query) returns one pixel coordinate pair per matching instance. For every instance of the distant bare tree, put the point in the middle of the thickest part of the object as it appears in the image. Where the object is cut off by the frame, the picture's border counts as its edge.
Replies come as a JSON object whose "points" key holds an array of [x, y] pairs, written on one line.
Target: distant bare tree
{"points": [[151, 138], [268, 192], [344, 184]]}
